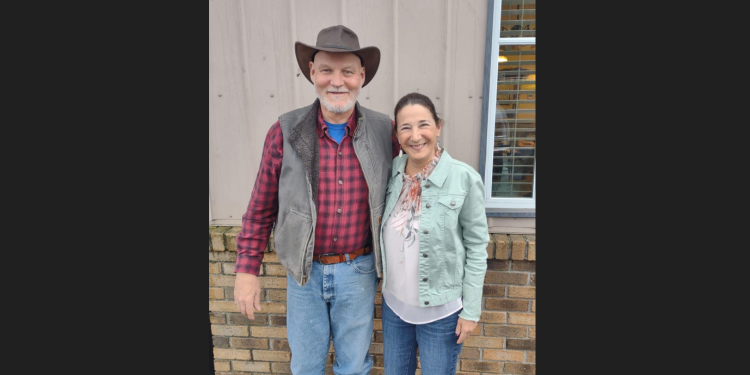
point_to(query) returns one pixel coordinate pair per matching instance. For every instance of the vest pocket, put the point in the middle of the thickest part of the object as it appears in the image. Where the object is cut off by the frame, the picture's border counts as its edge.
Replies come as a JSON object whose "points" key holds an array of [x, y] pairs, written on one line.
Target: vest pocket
{"points": [[291, 233]]}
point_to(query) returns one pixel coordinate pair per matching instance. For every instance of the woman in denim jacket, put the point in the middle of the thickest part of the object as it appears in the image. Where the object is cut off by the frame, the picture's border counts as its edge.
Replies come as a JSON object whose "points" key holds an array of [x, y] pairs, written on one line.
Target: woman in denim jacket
{"points": [[434, 236]]}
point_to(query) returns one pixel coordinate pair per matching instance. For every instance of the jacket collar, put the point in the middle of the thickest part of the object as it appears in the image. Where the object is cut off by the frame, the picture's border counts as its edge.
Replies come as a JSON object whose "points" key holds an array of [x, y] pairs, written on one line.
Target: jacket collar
{"points": [[438, 175]]}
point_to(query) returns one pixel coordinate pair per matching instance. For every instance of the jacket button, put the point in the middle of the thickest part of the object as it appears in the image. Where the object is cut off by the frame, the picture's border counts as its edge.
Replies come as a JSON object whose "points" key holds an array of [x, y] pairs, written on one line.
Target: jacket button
{"points": [[335, 238], [340, 153], [426, 302], [339, 210], [427, 185], [453, 203], [424, 255], [425, 231], [341, 182], [425, 279], [428, 205]]}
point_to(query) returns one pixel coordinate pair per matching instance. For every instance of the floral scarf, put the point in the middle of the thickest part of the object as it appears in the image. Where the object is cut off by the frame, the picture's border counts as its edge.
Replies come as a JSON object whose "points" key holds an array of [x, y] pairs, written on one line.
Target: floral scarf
{"points": [[409, 205]]}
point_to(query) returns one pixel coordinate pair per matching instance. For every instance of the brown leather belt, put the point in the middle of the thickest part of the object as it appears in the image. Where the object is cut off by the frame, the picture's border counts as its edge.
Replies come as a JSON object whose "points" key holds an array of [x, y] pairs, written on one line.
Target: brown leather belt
{"points": [[338, 258]]}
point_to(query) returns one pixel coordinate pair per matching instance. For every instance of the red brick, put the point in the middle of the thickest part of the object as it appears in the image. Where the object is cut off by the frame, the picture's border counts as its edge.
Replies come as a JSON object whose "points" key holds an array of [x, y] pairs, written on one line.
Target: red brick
{"points": [[273, 307], [214, 268], [217, 317], [522, 318], [493, 367], [278, 320], [469, 353], [507, 304], [521, 344], [275, 270], [215, 293], [280, 368], [217, 238], [272, 332], [518, 247], [272, 282], [502, 277], [278, 295], [230, 238], [228, 306], [221, 366], [503, 355], [523, 265], [221, 256], [231, 353], [522, 291], [222, 330], [228, 268], [531, 251], [280, 344], [251, 366], [248, 343], [270, 258], [272, 355], [221, 280], [498, 265], [376, 348], [520, 368], [502, 246], [504, 330], [493, 317], [220, 342], [483, 342], [239, 319]]}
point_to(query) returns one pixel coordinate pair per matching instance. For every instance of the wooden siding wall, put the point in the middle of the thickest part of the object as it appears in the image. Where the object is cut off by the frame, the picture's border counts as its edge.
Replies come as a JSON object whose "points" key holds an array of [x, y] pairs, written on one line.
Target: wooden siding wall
{"points": [[435, 47]]}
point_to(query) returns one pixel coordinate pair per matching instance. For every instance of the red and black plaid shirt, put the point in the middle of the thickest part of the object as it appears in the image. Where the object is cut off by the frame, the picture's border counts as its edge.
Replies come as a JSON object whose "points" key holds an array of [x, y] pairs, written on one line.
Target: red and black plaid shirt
{"points": [[343, 220]]}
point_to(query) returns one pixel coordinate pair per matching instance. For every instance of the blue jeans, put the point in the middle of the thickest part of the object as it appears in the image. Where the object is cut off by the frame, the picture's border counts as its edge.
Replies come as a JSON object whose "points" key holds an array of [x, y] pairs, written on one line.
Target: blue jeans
{"points": [[438, 351], [337, 299]]}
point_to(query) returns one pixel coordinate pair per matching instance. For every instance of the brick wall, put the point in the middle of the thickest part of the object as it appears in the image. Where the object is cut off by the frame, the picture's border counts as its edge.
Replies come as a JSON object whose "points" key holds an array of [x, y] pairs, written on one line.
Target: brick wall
{"points": [[504, 341]]}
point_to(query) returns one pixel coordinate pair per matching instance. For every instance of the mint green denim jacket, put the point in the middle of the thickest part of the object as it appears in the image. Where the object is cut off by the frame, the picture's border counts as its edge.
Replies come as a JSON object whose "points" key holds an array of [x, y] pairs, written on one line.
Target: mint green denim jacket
{"points": [[453, 234]]}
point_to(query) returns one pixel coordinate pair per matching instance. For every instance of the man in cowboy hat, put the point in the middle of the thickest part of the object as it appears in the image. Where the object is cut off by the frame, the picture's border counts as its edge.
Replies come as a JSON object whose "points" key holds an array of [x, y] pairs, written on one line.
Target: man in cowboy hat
{"points": [[321, 186]]}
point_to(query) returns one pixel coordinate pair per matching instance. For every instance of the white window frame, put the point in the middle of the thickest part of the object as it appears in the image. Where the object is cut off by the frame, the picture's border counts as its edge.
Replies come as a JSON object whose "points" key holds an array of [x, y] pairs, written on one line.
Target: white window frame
{"points": [[490, 202]]}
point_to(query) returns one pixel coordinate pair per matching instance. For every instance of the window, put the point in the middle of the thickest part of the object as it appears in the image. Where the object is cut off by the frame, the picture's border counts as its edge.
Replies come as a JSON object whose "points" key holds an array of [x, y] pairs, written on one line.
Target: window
{"points": [[509, 153]]}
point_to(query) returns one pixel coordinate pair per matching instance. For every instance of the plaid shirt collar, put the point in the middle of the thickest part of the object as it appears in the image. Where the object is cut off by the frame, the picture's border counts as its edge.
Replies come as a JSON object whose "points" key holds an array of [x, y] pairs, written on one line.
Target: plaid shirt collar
{"points": [[351, 125]]}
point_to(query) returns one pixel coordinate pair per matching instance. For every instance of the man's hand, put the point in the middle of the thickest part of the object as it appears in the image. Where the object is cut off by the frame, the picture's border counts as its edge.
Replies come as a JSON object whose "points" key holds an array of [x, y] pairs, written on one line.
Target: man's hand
{"points": [[463, 328], [247, 293]]}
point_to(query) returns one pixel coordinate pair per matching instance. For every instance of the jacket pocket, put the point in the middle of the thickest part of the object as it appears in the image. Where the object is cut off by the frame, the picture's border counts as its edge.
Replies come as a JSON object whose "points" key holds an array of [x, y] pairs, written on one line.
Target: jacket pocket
{"points": [[450, 207]]}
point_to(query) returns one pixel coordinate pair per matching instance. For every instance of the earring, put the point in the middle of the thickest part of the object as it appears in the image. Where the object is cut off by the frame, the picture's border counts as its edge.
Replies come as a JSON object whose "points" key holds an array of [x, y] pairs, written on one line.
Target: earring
{"points": [[438, 144], [400, 151]]}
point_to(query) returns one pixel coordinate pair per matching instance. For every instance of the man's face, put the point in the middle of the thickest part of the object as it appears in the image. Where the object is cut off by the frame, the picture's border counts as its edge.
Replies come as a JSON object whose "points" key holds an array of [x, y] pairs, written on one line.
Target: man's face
{"points": [[337, 78]]}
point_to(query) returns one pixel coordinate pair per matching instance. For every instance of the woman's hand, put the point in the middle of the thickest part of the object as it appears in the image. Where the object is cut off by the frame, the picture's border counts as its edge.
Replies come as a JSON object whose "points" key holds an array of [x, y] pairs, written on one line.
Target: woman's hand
{"points": [[463, 328]]}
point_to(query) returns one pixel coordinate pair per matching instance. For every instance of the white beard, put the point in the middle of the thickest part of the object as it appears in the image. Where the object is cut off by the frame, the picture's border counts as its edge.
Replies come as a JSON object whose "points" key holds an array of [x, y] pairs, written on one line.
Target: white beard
{"points": [[339, 106]]}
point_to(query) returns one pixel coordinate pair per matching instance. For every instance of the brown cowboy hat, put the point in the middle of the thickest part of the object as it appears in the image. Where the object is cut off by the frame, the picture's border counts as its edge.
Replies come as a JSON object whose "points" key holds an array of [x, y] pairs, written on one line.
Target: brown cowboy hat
{"points": [[338, 39]]}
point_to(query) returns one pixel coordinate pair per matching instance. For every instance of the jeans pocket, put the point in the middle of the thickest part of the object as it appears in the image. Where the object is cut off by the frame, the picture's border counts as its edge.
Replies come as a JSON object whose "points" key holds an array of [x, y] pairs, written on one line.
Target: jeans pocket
{"points": [[364, 264]]}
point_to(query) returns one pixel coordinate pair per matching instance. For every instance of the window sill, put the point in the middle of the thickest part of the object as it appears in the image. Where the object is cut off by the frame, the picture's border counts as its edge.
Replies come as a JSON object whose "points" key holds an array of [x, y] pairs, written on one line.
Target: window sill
{"points": [[510, 212]]}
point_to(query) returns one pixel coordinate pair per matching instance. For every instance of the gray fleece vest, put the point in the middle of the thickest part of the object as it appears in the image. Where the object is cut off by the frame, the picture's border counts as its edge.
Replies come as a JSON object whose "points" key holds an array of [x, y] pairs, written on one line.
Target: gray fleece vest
{"points": [[294, 231]]}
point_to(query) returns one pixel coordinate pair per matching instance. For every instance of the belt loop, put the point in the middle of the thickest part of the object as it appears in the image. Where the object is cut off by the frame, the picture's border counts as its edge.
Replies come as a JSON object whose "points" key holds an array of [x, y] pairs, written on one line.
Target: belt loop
{"points": [[348, 261]]}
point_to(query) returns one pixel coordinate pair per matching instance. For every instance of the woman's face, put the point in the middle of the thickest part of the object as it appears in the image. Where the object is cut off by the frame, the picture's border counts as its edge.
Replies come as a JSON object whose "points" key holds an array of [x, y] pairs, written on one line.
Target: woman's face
{"points": [[417, 133]]}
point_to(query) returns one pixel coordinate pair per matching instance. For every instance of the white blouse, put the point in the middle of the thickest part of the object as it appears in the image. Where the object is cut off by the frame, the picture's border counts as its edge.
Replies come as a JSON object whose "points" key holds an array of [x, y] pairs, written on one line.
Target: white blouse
{"points": [[402, 264]]}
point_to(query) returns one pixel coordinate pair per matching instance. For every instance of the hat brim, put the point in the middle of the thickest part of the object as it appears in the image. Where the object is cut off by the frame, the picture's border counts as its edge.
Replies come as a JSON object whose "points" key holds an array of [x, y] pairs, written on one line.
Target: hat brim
{"points": [[370, 57]]}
